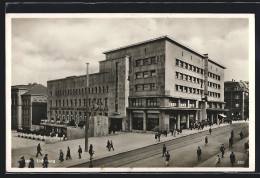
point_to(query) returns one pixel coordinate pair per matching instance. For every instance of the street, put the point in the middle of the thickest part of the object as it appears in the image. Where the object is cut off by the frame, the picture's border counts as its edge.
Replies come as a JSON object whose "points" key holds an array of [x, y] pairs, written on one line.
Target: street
{"points": [[182, 151]]}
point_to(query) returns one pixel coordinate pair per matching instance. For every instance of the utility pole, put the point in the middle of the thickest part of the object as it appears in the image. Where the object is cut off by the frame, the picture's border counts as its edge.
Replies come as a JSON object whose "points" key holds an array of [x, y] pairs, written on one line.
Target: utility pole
{"points": [[87, 115]]}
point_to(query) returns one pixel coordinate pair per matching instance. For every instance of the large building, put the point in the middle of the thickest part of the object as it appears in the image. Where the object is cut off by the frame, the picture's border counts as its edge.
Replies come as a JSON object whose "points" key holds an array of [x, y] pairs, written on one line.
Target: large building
{"points": [[237, 99], [156, 83], [29, 105]]}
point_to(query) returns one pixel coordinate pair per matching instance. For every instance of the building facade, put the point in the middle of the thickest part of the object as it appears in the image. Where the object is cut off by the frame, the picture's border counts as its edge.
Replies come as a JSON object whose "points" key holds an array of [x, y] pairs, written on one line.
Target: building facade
{"points": [[237, 99], [29, 105], [156, 83]]}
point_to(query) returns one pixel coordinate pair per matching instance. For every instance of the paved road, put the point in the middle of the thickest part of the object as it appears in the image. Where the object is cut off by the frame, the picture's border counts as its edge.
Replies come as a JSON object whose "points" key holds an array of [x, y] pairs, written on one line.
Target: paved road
{"points": [[182, 150]]}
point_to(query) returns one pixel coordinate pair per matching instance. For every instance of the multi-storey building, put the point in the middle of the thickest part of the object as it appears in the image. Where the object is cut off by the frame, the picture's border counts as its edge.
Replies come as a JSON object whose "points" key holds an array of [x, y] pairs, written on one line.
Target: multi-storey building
{"points": [[237, 99], [159, 82], [29, 105]]}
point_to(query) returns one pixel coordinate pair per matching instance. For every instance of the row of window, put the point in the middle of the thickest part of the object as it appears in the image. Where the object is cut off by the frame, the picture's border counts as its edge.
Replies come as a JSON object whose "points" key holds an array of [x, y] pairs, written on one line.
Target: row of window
{"points": [[214, 76], [145, 87], [145, 74], [189, 66], [146, 61], [103, 89], [183, 103], [149, 102], [186, 89], [195, 69], [78, 102]]}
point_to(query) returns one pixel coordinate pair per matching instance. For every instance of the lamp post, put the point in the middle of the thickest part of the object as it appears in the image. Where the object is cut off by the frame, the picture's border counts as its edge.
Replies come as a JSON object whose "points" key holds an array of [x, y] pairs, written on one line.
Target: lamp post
{"points": [[87, 116]]}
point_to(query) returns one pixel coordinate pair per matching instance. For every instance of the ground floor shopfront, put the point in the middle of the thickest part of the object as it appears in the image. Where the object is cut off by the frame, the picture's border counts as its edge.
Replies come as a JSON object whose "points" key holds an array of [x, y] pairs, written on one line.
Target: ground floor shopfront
{"points": [[164, 119]]}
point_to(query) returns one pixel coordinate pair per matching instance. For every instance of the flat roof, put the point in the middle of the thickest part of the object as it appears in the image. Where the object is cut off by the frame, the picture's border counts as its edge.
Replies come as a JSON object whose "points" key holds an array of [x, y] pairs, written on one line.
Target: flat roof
{"points": [[169, 39]]}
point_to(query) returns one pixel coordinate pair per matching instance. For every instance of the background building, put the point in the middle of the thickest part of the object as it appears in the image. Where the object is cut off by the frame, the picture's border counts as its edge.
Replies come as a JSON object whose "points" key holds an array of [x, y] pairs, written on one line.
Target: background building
{"points": [[237, 99], [155, 83], [29, 105]]}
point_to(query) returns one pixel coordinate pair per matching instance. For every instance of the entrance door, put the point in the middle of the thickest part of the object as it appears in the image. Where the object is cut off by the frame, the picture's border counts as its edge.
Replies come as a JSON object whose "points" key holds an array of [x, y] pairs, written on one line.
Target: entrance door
{"points": [[116, 124]]}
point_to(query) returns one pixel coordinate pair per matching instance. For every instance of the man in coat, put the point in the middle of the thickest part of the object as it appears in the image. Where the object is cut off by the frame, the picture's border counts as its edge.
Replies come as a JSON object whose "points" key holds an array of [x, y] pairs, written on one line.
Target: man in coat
{"points": [[61, 158], [90, 151], [68, 156], [167, 159], [21, 162], [31, 163], [206, 140], [232, 159], [80, 151], [164, 150], [199, 152], [222, 149], [217, 161], [45, 161], [39, 150]]}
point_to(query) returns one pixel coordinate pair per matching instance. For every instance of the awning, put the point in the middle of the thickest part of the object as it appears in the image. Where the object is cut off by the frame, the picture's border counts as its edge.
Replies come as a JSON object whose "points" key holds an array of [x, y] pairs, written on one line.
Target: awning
{"points": [[222, 115]]}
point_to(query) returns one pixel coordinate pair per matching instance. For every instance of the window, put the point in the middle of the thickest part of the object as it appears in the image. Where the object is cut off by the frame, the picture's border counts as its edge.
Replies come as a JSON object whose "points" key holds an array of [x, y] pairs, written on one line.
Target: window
{"points": [[152, 102], [153, 60], [79, 102], [176, 74], [153, 86], [146, 61], [96, 90], [183, 103], [177, 62], [138, 87], [89, 102], [176, 87], [56, 102], [237, 105], [138, 62], [63, 103], [190, 67], [139, 75], [60, 103], [107, 89], [181, 64], [181, 76], [237, 97], [76, 91], [51, 93], [75, 102], [153, 72], [185, 89], [146, 87], [185, 77], [137, 102], [146, 74], [181, 88]]}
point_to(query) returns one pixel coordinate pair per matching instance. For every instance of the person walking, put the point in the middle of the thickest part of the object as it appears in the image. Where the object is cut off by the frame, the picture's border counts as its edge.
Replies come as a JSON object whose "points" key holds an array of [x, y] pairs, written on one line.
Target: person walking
{"points": [[45, 161], [68, 156], [39, 149], [246, 145], [108, 145], [230, 142], [172, 130], [31, 163], [241, 135], [232, 134], [167, 159], [199, 152], [90, 151], [21, 162], [111, 146], [206, 140], [217, 161], [232, 159], [164, 150], [61, 158], [210, 130], [222, 149], [80, 151]]}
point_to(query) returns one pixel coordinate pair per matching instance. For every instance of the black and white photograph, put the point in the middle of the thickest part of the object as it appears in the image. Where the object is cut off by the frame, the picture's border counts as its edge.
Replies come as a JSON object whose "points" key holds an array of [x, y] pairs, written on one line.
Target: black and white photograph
{"points": [[130, 92]]}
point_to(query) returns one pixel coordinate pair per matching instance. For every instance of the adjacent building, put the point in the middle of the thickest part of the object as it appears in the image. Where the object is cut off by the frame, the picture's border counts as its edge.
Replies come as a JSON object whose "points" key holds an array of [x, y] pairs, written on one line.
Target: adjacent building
{"points": [[29, 105], [156, 83], [237, 99]]}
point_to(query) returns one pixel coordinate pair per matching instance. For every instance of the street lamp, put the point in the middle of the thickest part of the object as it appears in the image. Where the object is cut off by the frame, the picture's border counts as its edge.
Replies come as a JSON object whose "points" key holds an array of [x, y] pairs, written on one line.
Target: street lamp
{"points": [[87, 115]]}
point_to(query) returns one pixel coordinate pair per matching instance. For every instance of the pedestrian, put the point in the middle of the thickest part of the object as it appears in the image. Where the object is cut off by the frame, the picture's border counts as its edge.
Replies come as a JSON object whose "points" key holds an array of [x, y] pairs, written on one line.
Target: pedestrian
{"points": [[232, 159], [159, 136], [230, 142], [80, 151], [232, 134], [164, 150], [90, 151], [172, 130], [45, 161], [108, 145], [241, 135], [21, 162], [167, 159], [222, 149], [165, 132], [217, 161], [31, 163], [199, 152], [68, 156], [210, 130], [247, 145], [39, 150], [111, 145], [206, 140], [61, 158]]}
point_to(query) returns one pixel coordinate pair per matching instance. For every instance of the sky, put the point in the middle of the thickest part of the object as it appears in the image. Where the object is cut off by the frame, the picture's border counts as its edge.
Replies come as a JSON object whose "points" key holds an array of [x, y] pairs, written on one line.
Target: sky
{"points": [[44, 49]]}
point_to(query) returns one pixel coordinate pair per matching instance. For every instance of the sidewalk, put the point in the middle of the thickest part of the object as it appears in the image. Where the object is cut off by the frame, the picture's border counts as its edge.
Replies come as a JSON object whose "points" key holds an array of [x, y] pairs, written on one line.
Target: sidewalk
{"points": [[122, 142]]}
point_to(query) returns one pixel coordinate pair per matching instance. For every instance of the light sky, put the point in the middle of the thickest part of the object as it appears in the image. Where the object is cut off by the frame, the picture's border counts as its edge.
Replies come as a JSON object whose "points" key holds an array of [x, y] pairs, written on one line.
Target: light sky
{"points": [[45, 49]]}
